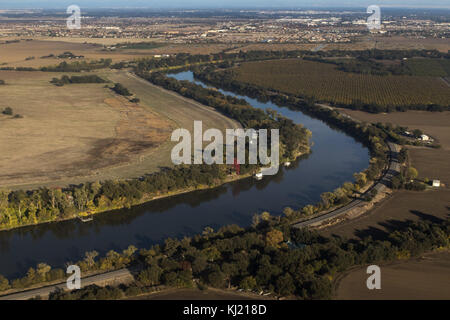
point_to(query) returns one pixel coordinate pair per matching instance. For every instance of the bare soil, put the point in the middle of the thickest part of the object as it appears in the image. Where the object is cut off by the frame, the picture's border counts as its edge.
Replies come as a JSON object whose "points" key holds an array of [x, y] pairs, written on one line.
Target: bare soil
{"points": [[392, 213], [416, 279]]}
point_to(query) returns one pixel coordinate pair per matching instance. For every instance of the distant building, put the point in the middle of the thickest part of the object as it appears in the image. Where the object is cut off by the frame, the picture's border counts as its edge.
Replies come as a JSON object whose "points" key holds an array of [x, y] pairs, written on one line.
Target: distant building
{"points": [[436, 183], [424, 137]]}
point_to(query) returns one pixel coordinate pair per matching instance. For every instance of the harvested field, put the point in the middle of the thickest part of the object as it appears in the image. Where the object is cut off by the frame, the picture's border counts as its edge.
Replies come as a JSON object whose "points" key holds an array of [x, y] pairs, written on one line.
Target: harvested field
{"points": [[424, 278], [84, 128], [16, 54], [391, 214], [392, 43], [87, 133], [325, 83]]}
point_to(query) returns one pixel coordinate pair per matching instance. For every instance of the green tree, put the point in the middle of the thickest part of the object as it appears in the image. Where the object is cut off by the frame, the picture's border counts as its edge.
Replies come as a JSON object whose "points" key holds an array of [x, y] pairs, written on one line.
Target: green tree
{"points": [[248, 283], [284, 285], [412, 173]]}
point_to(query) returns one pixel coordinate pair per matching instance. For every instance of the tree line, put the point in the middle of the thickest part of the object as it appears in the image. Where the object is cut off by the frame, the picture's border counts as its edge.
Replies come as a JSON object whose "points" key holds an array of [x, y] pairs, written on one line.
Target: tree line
{"points": [[19, 208], [77, 79], [269, 256]]}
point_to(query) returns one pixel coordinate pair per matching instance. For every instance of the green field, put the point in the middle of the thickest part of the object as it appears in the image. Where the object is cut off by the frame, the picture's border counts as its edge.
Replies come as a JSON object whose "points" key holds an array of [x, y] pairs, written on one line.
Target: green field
{"points": [[429, 67], [325, 83]]}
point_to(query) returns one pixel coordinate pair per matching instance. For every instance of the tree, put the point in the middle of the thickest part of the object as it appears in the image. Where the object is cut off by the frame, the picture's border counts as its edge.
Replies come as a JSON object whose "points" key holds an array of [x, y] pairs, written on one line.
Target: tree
{"points": [[4, 283], [413, 173], [417, 133], [216, 279], [42, 270], [120, 89], [284, 285], [248, 283], [150, 276], [274, 238], [8, 111], [361, 179], [90, 258], [308, 210], [199, 264]]}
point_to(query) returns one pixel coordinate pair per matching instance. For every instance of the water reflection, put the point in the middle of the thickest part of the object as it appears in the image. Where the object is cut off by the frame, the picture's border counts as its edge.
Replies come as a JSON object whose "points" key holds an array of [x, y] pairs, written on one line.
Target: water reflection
{"points": [[334, 158]]}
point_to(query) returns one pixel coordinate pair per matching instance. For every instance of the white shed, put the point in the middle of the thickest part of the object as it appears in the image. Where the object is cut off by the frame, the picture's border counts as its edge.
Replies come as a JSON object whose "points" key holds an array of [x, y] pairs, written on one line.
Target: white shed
{"points": [[436, 183]]}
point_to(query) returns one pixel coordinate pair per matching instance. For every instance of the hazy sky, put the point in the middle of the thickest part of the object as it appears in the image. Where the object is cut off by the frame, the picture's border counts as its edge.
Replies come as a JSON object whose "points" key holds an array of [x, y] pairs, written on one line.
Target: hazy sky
{"points": [[5, 4]]}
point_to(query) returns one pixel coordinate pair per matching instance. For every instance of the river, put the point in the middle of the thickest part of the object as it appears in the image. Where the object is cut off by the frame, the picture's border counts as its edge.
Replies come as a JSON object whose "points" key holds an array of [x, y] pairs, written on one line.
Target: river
{"points": [[334, 158]]}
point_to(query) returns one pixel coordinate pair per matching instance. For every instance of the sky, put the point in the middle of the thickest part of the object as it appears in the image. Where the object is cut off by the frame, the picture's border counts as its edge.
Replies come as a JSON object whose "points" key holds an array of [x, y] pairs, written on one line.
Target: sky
{"points": [[10, 4]]}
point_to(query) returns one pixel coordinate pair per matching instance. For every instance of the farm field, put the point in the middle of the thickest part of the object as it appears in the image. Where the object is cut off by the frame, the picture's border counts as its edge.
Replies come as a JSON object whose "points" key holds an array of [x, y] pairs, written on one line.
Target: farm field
{"points": [[408, 205], [16, 54], [391, 214], [422, 278], [87, 133], [85, 128], [392, 43], [325, 83], [431, 163]]}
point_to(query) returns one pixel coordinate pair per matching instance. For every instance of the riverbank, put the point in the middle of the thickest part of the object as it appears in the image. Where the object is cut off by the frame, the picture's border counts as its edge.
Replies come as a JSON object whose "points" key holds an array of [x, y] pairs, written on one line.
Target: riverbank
{"points": [[333, 155], [148, 198]]}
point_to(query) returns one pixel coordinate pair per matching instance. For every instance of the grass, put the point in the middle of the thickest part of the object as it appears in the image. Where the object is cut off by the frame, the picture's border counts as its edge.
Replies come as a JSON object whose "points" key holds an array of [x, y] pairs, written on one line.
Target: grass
{"points": [[87, 133], [85, 128]]}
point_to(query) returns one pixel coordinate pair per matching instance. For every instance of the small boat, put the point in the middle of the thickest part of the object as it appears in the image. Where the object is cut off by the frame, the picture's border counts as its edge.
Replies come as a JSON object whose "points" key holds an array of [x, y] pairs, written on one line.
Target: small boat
{"points": [[86, 219], [259, 176]]}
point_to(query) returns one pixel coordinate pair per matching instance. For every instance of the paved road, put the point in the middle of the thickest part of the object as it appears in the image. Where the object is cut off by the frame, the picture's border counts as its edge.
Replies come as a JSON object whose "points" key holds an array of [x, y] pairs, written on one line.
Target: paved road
{"points": [[121, 275], [394, 169]]}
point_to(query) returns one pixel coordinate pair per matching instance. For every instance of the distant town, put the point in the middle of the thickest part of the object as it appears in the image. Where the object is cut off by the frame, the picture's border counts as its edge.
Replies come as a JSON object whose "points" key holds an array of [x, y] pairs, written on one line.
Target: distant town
{"points": [[248, 26]]}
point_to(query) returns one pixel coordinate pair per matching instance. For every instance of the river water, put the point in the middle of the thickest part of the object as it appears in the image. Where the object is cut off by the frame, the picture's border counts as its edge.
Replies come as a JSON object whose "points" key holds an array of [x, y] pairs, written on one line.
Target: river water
{"points": [[334, 158]]}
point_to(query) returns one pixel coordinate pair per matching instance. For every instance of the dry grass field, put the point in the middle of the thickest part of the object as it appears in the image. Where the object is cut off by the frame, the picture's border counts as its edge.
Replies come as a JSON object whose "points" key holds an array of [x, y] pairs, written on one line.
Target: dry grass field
{"points": [[425, 278], [16, 54], [84, 132], [69, 131], [392, 43]]}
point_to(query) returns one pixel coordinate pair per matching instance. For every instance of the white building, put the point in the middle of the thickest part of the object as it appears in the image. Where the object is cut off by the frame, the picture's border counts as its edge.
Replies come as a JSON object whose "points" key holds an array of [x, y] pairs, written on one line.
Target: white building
{"points": [[424, 137], [436, 183]]}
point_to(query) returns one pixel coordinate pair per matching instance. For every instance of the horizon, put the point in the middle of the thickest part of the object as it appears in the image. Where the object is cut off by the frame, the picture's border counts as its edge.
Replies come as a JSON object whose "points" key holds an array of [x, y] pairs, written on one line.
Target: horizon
{"points": [[231, 4]]}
